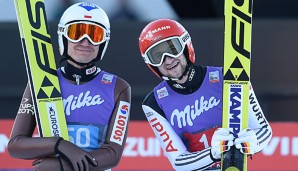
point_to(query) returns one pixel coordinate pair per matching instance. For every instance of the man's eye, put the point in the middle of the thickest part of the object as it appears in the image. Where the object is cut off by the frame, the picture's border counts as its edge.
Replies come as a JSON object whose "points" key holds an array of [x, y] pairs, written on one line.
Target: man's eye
{"points": [[158, 55]]}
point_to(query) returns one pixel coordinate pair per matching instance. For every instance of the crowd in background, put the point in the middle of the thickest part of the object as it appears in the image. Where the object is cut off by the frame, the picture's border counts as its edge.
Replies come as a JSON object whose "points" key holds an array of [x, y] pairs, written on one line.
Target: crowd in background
{"points": [[148, 10], [116, 9]]}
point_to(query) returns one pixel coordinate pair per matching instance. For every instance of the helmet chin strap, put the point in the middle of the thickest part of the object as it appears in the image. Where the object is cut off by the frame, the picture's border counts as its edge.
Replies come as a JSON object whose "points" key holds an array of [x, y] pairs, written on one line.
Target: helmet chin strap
{"points": [[179, 78]]}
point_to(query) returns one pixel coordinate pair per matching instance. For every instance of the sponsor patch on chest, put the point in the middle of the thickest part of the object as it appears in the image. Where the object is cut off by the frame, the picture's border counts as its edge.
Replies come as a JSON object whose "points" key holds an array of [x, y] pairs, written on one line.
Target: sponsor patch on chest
{"points": [[214, 77], [107, 79], [163, 92]]}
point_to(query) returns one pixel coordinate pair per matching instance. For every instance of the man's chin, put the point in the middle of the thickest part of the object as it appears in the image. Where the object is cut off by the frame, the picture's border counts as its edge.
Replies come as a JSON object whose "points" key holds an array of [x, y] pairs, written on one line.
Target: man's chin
{"points": [[175, 75], [84, 58]]}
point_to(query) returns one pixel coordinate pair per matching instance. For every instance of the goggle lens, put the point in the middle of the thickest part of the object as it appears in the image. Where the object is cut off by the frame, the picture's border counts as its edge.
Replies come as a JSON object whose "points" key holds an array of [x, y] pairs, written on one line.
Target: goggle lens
{"points": [[171, 47], [77, 30]]}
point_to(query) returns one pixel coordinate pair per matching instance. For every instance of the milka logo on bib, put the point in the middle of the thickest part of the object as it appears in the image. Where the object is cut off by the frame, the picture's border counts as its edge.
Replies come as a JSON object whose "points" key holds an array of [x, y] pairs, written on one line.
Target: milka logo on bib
{"points": [[72, 102], [191, 112]]}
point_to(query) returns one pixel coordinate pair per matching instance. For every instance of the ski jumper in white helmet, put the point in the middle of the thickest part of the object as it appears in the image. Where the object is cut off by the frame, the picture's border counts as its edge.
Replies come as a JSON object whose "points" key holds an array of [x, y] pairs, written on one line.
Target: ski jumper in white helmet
{"points": [[82, 15], [96, 103]]}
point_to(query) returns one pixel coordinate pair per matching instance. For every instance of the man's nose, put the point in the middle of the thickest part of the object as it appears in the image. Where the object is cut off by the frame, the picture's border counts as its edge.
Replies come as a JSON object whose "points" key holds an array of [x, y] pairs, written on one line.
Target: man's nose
{"points": [[85, 42], [168, 58]]}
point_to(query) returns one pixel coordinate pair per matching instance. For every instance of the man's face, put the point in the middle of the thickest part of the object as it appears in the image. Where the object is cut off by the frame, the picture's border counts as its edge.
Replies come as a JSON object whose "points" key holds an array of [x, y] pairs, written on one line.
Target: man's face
{"points": [[82, 51]]}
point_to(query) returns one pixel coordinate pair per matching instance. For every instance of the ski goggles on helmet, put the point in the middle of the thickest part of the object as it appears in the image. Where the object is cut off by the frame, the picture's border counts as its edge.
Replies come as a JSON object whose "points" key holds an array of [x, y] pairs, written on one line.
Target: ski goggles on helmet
{"points": [[172, 47], [76, 32]]}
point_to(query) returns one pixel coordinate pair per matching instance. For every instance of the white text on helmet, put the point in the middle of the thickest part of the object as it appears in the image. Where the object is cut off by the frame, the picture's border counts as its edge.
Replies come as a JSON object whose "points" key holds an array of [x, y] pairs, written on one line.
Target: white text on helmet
{"points": [[151, 32], [185, 38], [61, 29]]}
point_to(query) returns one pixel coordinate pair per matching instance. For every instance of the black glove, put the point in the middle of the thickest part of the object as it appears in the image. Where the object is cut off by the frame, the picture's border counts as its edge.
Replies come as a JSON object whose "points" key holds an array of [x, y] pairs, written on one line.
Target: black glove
{"points": [[46, 164], [76, 157], [51, 164]]}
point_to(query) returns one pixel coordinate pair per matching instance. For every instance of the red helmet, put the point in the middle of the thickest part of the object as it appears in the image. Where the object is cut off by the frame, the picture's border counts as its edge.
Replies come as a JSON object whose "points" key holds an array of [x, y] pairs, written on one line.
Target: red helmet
{"points": [[160, 31]]}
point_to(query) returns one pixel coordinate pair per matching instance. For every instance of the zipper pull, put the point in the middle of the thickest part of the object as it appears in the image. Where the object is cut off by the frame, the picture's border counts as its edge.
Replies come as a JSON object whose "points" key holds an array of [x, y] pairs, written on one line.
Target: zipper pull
{"points": [[78, 77]]}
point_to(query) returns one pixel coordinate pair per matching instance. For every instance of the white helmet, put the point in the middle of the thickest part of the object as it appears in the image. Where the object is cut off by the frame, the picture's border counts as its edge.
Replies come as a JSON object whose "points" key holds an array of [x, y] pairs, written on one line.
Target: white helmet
{"points": [[85, 13]]}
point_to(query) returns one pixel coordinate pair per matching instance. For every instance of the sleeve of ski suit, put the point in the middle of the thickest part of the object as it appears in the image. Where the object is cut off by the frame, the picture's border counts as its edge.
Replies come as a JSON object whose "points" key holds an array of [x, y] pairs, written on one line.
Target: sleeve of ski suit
{"points": [[170, 142], [23, 145], [258, 122]]}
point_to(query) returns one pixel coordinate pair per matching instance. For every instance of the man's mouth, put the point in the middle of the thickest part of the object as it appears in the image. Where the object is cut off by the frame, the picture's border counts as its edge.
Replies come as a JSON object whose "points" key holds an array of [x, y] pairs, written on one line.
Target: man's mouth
{"points": [[173, 65]]}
